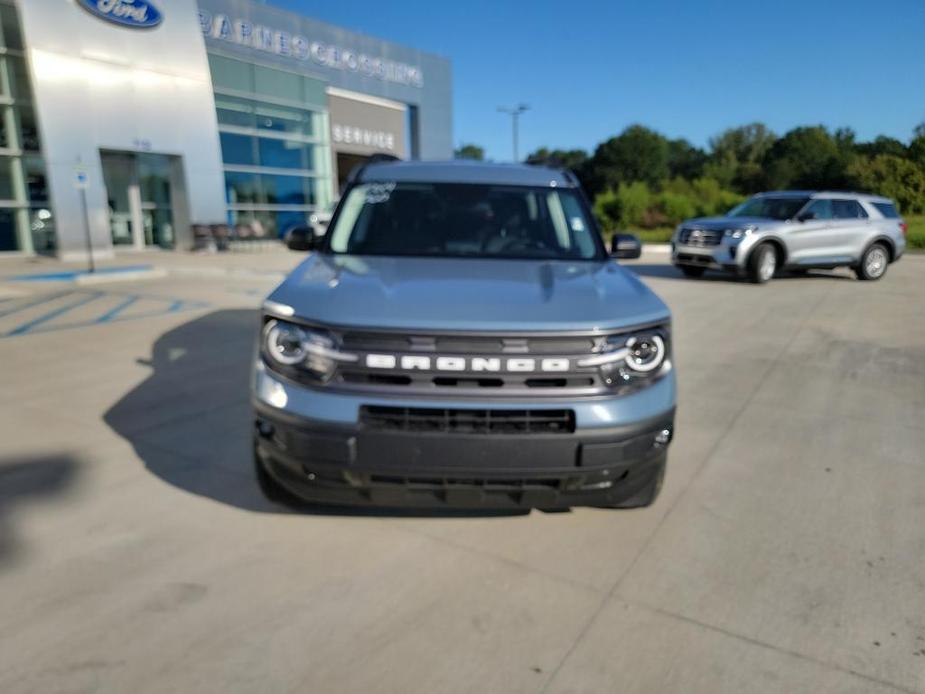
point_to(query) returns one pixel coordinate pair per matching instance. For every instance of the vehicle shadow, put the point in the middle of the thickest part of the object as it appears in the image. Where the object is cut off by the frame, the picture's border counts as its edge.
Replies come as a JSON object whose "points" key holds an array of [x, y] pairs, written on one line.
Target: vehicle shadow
{"points": [[190, 421], [667, 271], [24, 480]]}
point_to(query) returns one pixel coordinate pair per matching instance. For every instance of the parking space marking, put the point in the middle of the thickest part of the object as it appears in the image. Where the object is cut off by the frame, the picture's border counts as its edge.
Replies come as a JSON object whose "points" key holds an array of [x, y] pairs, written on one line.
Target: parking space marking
{"points": [[48, 322]]}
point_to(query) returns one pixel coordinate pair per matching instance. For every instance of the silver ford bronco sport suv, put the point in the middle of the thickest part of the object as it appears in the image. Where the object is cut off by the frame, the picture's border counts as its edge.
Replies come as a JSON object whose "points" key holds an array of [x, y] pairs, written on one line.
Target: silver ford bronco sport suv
{"points": [[461, 337], [796, 230]]}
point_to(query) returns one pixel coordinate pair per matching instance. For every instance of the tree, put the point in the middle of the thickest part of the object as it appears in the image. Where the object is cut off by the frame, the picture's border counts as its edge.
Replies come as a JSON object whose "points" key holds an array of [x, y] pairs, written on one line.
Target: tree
{"points": [[685, 160], [917, 146], [572, 159], [807, 157], [894, 177], [636, 154], [882, 145], [737, 155], [469, 151]]}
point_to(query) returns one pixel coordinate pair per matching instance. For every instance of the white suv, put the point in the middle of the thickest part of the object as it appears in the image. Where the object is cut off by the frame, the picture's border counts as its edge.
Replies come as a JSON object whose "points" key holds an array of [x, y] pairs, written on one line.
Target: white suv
{"points": [[797, 230]]}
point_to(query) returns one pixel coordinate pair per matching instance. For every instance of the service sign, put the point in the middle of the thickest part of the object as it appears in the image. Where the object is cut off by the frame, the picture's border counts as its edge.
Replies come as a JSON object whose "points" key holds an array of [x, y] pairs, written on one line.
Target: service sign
{"points": [[136, 14]]}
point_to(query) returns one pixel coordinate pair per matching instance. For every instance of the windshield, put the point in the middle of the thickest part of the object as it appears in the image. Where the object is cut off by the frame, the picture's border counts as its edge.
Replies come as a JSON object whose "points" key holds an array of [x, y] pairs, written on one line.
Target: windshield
{"points": [[770, 208], [450, 220]]}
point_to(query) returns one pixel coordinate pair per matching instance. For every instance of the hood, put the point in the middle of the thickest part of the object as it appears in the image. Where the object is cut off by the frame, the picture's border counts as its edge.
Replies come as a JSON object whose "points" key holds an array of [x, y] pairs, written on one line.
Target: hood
{"points": [[732, 222], [467, 294]]}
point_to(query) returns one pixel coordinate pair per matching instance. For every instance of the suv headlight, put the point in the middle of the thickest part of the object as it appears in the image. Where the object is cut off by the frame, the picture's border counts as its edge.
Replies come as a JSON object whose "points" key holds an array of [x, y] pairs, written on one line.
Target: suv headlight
{"points": [[296, 350], [633, 360], [736, 234]]}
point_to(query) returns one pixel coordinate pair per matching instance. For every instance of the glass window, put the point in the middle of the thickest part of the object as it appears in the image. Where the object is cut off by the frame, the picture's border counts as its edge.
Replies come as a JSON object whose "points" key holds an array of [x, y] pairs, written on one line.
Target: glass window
{"points": [[231, 74], [282, 154], [284, 85], [28, 129], [820, 209], [19, 78], [237, 149], [286, 220], [242, 187], [9, 240], [36, 182], [7, 124], [6, 177], [848, 209], [887, 209], [233, 111], [464, 220], [285, 190], [284, 120], [10, 27], [154, 178], [762, 207], [42, 226], [314, 91]]}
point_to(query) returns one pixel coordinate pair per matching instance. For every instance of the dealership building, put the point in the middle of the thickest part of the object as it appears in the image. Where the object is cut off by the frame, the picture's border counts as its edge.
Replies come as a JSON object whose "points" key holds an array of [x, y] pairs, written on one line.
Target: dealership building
{"points": [[127, 124]]}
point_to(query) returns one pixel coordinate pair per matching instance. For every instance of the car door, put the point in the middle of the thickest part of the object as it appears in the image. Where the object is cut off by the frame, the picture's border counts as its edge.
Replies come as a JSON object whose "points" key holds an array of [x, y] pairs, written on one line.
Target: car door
{"points": [[853, 226], [811, 235]]}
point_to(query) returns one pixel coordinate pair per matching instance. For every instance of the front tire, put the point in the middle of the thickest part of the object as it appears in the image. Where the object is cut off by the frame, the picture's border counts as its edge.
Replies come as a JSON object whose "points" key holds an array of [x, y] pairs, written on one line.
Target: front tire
{"points": [[272, 490], [762, 264], [873, 263], [691, 270]]}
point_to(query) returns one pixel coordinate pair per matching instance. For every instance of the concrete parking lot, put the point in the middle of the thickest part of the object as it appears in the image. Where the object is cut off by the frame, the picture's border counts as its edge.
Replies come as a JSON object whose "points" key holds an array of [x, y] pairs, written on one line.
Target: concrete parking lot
{"points": [[784, 555]]}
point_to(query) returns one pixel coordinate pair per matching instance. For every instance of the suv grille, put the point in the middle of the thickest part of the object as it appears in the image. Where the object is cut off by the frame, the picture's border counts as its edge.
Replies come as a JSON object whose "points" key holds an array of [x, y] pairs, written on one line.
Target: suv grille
{"points": [[700, 237], [454, 421]]}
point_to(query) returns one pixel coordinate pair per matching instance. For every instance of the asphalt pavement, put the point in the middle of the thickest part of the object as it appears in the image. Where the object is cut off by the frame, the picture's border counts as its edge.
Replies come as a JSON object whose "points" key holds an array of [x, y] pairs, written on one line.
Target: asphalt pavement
{"points": [[785, 553]]}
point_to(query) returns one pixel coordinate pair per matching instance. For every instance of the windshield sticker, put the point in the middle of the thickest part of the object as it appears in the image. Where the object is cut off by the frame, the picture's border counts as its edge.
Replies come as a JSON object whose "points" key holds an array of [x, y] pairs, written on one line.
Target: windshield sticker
{"points": [[577, 224], [379, 192]]}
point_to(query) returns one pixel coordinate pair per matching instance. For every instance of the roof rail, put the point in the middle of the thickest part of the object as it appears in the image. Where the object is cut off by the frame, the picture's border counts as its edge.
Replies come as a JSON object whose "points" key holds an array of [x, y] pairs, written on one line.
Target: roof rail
{"points": [[376, 158]]}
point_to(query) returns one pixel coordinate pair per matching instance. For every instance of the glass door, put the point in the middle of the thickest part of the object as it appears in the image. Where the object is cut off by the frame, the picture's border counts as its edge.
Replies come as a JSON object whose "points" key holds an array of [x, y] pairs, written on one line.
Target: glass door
{"points": [[121, 197], [156, 207], [138, 195]]}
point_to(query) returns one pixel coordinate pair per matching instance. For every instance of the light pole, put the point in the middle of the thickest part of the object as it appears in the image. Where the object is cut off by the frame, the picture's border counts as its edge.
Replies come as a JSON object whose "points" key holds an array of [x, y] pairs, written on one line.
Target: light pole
{"points": [[514, 112]]}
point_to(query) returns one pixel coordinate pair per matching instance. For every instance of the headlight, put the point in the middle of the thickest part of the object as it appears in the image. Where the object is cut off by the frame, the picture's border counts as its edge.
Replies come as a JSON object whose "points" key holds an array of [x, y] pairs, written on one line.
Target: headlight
{"points": [[736, 234], [294, 349], [632, 360]]}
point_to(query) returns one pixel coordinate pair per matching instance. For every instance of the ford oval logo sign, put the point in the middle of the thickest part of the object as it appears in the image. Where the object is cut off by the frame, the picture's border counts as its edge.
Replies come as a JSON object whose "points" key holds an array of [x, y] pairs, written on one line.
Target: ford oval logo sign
{"points": [[137, 14]]}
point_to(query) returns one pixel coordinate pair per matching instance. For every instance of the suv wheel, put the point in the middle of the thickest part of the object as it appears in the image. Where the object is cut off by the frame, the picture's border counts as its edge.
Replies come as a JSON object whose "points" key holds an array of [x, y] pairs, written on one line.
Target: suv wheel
{"points": [[762, 264], [271, 489], [873, 263], [691, 270]]}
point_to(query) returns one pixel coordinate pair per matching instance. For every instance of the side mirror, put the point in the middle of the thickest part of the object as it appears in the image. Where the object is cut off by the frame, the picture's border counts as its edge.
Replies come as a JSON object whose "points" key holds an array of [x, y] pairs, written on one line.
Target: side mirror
{"points": [[806, 216], [301, 238], [625, 246]]}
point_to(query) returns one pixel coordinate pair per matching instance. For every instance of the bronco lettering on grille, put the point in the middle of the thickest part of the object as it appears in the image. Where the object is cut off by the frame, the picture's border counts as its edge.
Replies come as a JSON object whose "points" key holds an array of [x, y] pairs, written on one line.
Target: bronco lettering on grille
{"points": [[424, 363]]}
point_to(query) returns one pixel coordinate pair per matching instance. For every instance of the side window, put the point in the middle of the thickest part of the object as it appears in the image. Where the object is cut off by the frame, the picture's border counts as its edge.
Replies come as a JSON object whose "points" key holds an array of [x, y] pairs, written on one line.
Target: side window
{"points": [[848, 209], [822, 209], [887, 209]]}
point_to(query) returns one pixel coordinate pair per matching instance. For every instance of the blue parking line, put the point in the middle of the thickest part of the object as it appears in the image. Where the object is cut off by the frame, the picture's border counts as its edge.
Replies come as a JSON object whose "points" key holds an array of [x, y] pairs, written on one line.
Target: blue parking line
{"points": [[112, 313], [26, 327], [41, 300]]}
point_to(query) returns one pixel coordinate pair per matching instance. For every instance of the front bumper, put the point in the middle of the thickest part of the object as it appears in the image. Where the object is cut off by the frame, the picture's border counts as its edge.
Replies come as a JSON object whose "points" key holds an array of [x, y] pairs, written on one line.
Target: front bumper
{"points": [[728, 255], [617, 449]]}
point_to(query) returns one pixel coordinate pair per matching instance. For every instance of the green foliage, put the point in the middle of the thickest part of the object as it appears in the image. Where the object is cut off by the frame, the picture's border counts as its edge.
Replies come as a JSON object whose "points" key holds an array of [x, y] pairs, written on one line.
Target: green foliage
{"points": [[572, 159], [469, 151], [894, 177], [642, 180], [915, 239], [636, 154], [808, 158]]}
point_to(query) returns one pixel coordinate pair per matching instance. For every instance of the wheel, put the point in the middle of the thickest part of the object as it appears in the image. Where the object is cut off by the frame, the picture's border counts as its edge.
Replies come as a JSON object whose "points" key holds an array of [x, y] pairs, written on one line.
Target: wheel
{"points": [[691, 270], [648, 494], [873, 263], [762, 264]]}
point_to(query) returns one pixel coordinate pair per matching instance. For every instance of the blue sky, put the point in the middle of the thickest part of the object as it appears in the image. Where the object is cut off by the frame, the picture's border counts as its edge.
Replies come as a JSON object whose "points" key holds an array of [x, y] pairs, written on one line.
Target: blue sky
{"points": [[687, 68]]}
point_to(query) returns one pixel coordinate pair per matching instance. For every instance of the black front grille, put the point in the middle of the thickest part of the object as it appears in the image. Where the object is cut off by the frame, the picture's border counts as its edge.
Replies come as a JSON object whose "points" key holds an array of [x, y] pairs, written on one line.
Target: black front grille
{"points": [[700, 237], [480, 345], [464, 421]]}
